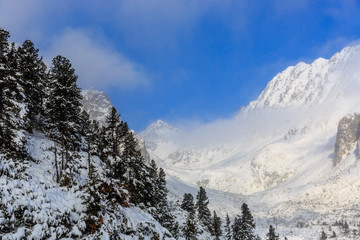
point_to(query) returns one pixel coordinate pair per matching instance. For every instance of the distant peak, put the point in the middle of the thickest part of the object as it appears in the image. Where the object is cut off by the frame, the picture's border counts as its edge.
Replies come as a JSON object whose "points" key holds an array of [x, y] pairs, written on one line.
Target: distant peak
{"points": [[159, 124], [97, 104], [307, 84]]}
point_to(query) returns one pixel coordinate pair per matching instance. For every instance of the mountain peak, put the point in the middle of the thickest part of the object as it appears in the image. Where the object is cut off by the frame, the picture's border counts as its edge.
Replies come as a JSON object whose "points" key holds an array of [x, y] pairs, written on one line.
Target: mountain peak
{"points": [[158, 124], [97, 104], [306, 84]]}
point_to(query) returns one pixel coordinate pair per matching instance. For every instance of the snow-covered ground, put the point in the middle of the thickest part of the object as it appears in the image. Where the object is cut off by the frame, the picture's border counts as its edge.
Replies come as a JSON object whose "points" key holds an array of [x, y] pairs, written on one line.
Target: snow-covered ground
{"points": [[44, 210]]}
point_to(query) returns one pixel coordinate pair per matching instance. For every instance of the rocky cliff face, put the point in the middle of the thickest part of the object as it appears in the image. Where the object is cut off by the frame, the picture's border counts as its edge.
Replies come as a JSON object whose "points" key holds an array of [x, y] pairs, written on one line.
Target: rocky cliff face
{"points": [[98, 105], [347, 137]]}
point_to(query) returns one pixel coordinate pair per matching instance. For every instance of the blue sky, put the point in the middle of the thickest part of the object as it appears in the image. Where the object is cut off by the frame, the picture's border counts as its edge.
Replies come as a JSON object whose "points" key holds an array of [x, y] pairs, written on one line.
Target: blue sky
{"points": [[179, 60]]}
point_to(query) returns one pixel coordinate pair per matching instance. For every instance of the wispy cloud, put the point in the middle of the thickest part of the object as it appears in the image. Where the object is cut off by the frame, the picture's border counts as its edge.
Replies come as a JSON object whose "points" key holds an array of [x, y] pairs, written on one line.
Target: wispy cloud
{"points": [[97, 64]]}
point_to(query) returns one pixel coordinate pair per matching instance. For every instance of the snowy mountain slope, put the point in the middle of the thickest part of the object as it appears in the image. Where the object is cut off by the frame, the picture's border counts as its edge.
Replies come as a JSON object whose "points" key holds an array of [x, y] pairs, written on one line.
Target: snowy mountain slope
{"points": [[279, 150], [307, 84], [44, 210]]}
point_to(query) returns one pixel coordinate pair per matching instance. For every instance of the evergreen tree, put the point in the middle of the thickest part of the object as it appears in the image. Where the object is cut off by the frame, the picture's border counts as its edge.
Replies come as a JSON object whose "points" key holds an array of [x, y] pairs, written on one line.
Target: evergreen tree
{"points": [[271, 235], [154, 176], [227, 228], [237, 228], [164, 215], [136, 174], [243, 227], [216, 226], [63, 116], [102, 147], [190, 229], [153, 170], [90, 132], [247, 221], [10, 104], [32, 73], [162, 191], [202, 203], [92, 201], [188, 203], [346, 227], [113, 122], [323, 236]]}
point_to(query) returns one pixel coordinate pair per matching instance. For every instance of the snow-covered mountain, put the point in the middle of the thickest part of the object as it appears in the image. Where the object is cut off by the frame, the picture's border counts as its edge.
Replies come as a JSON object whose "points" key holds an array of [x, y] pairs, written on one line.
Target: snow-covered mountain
{"points": [[278, 153]]}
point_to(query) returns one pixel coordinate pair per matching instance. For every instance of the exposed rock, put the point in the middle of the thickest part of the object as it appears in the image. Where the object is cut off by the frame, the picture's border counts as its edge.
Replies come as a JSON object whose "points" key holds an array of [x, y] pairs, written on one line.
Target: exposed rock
{"points": [[347, 136], [98, 105]]}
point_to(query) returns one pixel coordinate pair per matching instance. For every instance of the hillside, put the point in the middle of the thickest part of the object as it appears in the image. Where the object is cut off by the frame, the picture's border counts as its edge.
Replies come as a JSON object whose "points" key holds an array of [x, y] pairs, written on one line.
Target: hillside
{"points": [[71, 168]]}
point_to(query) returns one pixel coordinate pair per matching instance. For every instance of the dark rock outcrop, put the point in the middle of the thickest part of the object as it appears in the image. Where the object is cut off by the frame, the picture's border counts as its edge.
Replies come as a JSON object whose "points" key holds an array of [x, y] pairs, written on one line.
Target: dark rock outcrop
{"points": [[347, 136]]}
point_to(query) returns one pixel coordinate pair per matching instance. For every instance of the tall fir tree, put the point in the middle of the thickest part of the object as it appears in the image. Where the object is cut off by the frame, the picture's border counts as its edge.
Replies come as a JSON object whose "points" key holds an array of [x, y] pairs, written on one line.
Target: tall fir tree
{"points": [[216, 226], [190, 229], [12, 141], [237, 229], [323, 235], [33, 75], [113, 124], [102, 145], [91, 135], [271, 235], [202, 203], [227, 228], [188, 203], [164, 214], [92, 201], [244, 225], [137, 175], [63, 109], [247, 223]]}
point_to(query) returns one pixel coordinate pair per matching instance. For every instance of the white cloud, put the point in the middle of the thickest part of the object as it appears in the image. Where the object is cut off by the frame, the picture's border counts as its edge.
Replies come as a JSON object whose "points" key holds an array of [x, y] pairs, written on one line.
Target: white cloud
{"points": [[17, 16], [96, 63]]}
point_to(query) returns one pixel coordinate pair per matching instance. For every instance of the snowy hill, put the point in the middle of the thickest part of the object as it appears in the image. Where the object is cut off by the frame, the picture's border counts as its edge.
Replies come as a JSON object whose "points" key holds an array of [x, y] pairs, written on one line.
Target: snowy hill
{"points": [[278, 152]]}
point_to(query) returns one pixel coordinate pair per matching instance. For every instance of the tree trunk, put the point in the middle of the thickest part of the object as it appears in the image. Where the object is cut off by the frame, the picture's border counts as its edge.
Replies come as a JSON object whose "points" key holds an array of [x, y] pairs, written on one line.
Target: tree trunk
{"points": [[56, 165]]}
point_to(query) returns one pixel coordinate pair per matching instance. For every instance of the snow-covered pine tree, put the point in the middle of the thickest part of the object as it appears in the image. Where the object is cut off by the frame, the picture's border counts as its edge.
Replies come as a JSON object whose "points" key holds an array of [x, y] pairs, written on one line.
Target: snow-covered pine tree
{"points": [[113, 124], [63, 116], [154, 176], [136, 172], [12, 140], [271, 235], [102, 146], [247, 223], [116, 133], [33, 75], [202, 203], [188, 203], [227, 228], [90, 132], [323, 235], [216, 226], [237, 229], [153, 170], [190, 230], [92, 200], [164, 215]]}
